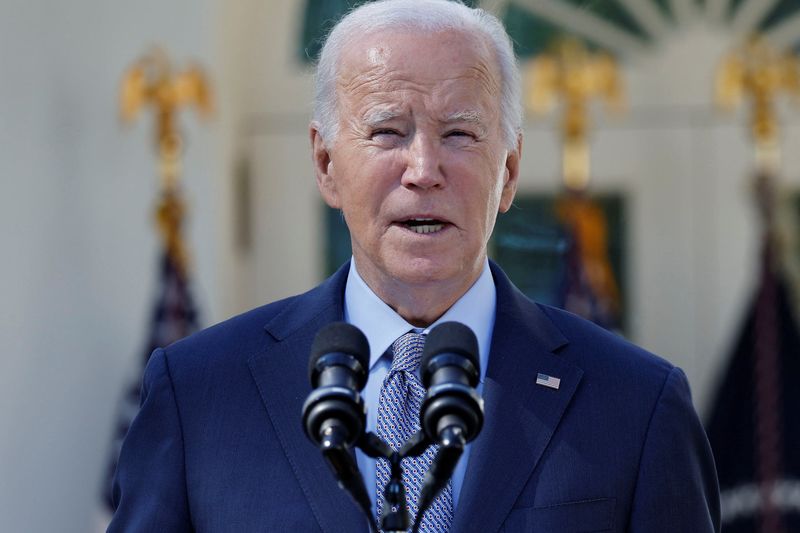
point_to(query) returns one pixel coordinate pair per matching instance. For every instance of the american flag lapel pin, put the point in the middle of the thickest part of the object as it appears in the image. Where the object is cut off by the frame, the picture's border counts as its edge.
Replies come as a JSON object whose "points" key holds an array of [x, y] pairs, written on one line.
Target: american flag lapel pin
{"points": [[548, 381]]}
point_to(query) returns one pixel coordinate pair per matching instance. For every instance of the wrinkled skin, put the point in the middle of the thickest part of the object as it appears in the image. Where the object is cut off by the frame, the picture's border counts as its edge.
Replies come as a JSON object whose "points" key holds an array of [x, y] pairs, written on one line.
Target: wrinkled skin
{"points": [[419, 137]]}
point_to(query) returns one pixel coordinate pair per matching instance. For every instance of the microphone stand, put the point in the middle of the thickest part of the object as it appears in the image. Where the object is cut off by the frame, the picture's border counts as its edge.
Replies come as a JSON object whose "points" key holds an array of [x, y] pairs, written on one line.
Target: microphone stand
{"points": [[394, 516], [336, 451], [451, 447]]}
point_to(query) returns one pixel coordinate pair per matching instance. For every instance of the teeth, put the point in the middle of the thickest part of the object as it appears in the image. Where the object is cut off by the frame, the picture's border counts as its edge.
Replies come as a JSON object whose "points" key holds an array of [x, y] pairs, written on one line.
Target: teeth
{"points": [[424, 225], [426, 228]]}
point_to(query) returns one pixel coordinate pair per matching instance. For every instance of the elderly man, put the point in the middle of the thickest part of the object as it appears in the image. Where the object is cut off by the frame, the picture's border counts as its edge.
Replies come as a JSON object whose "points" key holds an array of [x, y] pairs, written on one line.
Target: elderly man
{"points": [[416, 138]]}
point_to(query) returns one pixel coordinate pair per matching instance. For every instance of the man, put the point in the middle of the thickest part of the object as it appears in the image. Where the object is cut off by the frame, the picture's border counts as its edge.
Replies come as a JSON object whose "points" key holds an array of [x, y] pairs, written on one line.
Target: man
{"points": [[416, 138]]}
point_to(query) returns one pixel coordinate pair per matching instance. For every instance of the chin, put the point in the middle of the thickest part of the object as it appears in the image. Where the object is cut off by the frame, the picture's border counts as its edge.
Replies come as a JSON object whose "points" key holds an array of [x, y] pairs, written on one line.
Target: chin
{"points": [[424, 270]]}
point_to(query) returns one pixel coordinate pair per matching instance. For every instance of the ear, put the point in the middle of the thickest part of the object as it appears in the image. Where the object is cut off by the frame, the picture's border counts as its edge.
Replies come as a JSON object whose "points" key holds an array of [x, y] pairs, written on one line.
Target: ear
{"points": [[323, 167], [511, 176]]}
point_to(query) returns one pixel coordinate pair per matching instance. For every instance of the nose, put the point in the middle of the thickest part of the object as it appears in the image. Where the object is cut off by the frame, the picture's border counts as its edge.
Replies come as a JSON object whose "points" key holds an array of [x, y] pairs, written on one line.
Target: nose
{"points": [[424, 163]]}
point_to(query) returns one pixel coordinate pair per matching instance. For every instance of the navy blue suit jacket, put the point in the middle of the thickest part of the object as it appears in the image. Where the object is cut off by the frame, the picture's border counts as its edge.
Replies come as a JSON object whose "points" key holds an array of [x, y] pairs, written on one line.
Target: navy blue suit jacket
{"points": [[218, 444]]}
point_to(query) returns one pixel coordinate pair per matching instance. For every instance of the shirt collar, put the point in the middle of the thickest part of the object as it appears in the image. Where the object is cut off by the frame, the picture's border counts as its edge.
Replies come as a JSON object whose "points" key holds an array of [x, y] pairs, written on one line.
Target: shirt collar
{"points": [[382, 325]]}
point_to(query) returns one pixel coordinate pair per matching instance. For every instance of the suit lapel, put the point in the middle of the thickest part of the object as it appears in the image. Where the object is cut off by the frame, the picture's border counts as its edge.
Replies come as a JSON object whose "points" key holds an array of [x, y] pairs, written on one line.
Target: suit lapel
{"points": [[520, 416], [281, 374]]}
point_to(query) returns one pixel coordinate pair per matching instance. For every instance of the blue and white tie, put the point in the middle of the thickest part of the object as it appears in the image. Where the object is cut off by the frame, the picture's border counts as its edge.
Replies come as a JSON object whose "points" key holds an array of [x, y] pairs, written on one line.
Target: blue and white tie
{"points": [[400, 400]]}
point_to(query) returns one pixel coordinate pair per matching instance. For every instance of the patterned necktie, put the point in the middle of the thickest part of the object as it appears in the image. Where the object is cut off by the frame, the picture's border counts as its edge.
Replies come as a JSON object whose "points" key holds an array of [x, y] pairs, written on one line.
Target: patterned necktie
{"points": [[400, 400]]}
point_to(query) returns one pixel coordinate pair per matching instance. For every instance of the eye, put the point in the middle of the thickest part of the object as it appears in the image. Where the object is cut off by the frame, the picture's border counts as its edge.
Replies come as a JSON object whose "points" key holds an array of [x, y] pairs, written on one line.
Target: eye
{"points": [[460, 135], [386, 137], [384, 132]]}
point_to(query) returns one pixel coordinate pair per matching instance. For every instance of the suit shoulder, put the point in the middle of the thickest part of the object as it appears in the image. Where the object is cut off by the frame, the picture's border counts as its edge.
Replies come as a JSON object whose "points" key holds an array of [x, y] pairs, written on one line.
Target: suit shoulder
{"points": [[234, 339], [594, 347], [230, 344], [248, 321]]}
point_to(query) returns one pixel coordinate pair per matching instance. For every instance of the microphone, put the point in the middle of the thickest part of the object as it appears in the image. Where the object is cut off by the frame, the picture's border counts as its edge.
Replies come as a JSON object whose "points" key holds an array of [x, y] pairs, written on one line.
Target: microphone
{"points": [[450, 371], [334, 415], [452, 412], [338, 371]]}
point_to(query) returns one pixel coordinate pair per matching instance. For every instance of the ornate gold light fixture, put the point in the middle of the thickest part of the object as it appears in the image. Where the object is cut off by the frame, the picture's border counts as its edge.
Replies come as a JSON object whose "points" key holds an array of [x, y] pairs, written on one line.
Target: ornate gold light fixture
{"points": [[759, 72], [574, 75], [152, 82]]}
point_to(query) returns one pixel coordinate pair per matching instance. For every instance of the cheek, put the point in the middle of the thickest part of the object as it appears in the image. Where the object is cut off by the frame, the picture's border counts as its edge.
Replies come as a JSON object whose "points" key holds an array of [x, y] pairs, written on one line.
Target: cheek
{"points": [[377, 175], [363, 187], [491, 185], [492, 200]]}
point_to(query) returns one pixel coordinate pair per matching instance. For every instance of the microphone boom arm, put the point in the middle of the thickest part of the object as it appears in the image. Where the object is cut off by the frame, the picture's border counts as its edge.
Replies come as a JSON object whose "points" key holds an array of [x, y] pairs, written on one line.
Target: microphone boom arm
{"points": [[337, 454], [451, 447]]}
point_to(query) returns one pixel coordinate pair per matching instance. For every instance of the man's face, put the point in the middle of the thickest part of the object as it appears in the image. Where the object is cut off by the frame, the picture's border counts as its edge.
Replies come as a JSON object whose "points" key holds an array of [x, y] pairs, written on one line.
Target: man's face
{"points": [[419, 167]]}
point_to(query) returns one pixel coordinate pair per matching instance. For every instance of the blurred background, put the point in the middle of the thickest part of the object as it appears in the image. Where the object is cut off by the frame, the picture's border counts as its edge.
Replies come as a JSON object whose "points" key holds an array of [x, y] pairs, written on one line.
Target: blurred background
{"points": [[651, 184]]}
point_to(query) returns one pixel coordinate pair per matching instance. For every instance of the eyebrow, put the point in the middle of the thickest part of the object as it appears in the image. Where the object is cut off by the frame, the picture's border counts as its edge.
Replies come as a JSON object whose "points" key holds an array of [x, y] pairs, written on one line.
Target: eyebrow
{"points": [[468, 117], [374, 117], [473, 117]]}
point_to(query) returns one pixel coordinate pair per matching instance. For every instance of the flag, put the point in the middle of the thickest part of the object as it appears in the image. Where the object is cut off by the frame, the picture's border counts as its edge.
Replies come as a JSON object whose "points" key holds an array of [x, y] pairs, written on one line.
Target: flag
{"points": [[548, 381], [173, 317], [588, 286], [754, 425]]}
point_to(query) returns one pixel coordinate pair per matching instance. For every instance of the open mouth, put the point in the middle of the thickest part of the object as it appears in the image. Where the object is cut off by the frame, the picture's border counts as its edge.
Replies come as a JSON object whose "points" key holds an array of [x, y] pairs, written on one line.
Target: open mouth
{"points": [[423, 225]]}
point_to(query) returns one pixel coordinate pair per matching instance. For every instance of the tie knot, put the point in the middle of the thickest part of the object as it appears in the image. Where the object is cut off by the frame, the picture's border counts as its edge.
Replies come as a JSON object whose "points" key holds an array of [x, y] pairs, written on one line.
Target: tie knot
{"points": [[407, 351]]}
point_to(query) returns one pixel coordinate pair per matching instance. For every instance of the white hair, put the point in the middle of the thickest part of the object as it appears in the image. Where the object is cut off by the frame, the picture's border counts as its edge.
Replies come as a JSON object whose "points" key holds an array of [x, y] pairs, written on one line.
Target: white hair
{"points": [[423, 15]]}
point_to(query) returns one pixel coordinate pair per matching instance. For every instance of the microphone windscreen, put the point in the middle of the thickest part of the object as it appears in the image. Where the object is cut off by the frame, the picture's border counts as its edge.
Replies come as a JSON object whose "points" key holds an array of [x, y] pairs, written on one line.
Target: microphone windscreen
{"points": [[339, 337], [450, 337]]}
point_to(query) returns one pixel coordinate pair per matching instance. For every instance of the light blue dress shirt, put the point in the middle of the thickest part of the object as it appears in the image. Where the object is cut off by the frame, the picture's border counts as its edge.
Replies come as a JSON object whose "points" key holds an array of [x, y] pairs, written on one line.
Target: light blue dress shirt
{"points": [[382, 326]]}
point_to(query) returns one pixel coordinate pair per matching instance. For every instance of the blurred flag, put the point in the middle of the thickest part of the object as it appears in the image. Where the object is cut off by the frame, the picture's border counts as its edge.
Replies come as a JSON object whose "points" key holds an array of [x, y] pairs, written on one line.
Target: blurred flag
{"points": [[588, 287], [174, 316], [754, 427]]}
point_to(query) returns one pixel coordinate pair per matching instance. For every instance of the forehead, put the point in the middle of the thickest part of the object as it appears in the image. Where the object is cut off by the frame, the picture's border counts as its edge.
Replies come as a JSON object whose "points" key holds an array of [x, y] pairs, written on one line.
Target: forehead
{"points": [[448, 65]]}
